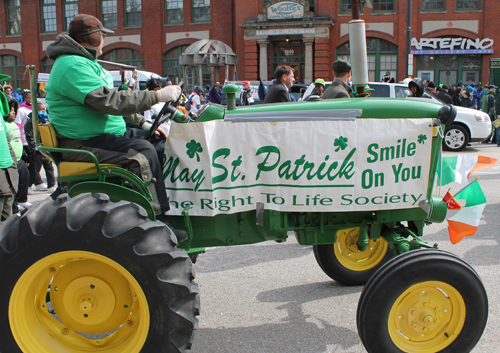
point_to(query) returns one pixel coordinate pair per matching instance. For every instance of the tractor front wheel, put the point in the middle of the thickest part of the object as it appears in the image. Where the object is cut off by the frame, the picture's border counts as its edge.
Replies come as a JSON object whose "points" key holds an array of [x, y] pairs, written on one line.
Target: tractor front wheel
{"points": [[346, 264], [84, 274], [423, 301]]}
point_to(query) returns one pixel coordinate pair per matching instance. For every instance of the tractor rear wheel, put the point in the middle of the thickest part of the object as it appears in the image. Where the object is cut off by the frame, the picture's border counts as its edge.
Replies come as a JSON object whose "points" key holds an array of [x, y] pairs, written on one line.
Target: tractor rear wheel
{"points": [[346, 264], [84, 274], [424, 300]]}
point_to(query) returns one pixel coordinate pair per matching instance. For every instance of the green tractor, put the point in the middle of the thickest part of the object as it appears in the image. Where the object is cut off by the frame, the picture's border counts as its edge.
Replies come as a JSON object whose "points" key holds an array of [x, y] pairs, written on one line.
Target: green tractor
{"points": [[92, 270]]}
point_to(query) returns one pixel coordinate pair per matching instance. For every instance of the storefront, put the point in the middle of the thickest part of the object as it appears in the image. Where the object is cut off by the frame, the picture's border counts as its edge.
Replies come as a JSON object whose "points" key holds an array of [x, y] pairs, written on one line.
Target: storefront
{"points": [[451, 60], [285, 34]]}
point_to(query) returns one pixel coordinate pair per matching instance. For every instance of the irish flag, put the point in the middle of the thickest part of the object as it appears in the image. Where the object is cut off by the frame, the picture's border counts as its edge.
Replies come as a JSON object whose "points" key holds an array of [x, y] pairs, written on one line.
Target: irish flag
{"points": [[458, 168], [465, 222]]}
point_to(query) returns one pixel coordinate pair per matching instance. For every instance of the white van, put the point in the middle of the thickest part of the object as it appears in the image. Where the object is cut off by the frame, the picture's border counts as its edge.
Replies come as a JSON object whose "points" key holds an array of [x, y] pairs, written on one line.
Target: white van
{"points": [[143, 77]]}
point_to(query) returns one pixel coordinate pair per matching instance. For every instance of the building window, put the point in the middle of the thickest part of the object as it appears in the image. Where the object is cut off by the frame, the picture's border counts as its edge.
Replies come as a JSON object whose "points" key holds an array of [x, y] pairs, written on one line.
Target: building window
{"points": [[171, 66], [200, 10], [468, 4], [312, 4], [383, 6], [125, 56], [382, 58], [13, 16], [47, 65], [49, 18], [345, 6], [14, 67], [133, 13], [70, 11], [433, 5], [174, 11], [109, 13]]}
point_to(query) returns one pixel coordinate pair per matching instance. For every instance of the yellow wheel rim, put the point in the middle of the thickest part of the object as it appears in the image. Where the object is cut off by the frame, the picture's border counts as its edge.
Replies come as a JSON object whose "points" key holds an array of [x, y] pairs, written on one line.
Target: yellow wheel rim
{"points": [[427, 317], [349, 255], [77, 301]]}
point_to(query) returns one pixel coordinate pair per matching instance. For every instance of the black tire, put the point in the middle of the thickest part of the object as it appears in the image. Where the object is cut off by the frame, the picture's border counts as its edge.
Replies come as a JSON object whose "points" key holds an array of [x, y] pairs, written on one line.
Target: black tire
{"points": [[456, 138], [402, 295], [350, 270], [117, 248]]}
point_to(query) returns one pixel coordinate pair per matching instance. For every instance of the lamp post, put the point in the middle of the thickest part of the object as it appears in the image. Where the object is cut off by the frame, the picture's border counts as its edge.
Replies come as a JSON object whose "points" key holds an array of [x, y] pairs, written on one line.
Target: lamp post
{"points": [[408, 39]]}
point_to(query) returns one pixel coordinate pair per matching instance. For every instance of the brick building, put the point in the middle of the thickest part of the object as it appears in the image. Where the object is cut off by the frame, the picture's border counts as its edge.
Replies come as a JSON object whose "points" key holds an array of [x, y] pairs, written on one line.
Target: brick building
{"points": [[451, 40]]}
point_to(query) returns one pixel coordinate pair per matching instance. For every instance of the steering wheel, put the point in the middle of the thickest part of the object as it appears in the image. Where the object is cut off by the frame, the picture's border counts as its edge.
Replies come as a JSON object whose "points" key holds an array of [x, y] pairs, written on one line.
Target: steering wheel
{"points": [[165, 113]]}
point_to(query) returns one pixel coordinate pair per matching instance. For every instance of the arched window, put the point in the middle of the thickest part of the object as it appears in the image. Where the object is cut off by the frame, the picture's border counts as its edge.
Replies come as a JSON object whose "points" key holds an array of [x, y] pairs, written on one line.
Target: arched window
{"points": [[14, 66], [171, 67], [382, 58], [125, 56]]}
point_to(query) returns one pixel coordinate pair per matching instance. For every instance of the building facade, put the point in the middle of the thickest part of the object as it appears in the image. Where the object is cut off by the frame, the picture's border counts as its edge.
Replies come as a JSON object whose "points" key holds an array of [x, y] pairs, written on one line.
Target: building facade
{"points": [[452, 40]]}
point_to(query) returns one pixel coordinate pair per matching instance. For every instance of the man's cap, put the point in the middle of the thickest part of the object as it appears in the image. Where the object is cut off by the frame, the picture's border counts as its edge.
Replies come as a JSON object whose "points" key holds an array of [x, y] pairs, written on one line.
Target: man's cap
{"points": [[445, 87], [341, 66], [431, 84], [207, 87], [83, 24], [246, 83], [473, 85], [319, 81], [492, 86], [368, 89], [468, 89]]}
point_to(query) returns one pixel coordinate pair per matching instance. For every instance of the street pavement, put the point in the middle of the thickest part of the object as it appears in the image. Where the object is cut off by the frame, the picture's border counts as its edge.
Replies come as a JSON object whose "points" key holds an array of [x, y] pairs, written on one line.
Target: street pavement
{"points": [[273, 298]]}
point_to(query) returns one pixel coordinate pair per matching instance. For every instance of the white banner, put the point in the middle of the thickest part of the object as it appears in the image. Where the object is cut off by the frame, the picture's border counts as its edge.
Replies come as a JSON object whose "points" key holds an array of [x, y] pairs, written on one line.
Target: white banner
{"points": [[298, 166]]}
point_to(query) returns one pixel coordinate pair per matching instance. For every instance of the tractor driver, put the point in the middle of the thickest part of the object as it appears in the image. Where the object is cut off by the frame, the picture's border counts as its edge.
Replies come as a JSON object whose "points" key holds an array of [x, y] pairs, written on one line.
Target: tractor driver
{"points": [[88, 113]]}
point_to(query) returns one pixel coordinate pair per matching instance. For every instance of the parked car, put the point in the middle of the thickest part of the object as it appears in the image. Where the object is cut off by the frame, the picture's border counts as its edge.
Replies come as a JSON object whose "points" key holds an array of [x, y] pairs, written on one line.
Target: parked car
{"points": [[470, 125]]}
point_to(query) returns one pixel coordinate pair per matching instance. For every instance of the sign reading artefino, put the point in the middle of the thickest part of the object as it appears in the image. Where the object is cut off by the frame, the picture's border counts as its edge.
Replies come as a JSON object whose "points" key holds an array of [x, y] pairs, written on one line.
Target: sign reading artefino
{"points": [[437, 46], [298, 166], [284, 10]]}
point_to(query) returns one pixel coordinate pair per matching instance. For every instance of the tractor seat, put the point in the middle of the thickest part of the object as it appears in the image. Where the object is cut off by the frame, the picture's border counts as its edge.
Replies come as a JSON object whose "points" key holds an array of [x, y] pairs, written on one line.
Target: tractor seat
{"points": [[67, 169]]}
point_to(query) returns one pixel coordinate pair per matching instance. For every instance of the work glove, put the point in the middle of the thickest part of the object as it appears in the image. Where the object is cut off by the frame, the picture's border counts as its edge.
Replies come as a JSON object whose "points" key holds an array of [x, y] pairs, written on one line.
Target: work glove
{"points": [[168, 94]]}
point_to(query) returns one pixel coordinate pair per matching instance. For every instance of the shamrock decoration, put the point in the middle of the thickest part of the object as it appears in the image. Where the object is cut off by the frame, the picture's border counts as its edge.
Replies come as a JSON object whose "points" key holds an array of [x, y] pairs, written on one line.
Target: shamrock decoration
{"points": [[421, 138], [341, 143], [193, 148]]}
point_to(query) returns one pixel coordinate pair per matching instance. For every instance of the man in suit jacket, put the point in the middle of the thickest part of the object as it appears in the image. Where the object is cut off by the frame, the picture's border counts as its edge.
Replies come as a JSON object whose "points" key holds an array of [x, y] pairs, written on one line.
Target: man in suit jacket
{"points": [[278, 91], [340, 85]]}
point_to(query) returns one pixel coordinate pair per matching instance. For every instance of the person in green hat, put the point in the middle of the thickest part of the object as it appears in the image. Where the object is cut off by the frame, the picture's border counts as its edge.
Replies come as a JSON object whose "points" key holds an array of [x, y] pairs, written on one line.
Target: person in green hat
{"points": [[340, 85], [368, 91], [9, 178], [319, 87]]}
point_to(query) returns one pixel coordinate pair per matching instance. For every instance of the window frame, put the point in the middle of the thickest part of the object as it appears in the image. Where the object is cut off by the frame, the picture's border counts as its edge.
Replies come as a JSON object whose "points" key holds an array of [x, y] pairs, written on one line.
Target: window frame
{"points": [[42, 6], [433, 10], [385, 11], [176, 9], [180, 49], [199, 7], [125, 13], [18, 71], [464, 9], [65, 17], [112, 13], [9, 22]]}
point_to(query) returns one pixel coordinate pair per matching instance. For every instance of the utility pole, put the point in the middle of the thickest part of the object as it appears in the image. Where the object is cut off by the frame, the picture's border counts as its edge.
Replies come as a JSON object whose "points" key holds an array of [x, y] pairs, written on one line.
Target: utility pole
{"points": [[408, 40]]}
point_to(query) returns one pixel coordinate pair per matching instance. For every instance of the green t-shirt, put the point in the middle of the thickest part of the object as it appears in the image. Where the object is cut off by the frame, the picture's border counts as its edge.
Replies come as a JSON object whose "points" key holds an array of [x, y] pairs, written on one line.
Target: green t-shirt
{"points": [[5, 158], [71, 79], [15, 139]]}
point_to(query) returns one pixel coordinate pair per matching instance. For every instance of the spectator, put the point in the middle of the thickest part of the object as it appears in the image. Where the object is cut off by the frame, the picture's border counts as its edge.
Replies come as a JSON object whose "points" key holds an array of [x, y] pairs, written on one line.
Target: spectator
{"points": [[278, 91], [431, 87], [19, 95], [154, 84], [474, 95], [488, 106], [466, 97], [455, 97], [37, 160], [246, 97], [195, 99], [14, 133], [7, 89], [417, 88], [214, 94], [22, 115], [444, 96], [340, 85], [319, 87], [368, 91]]}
